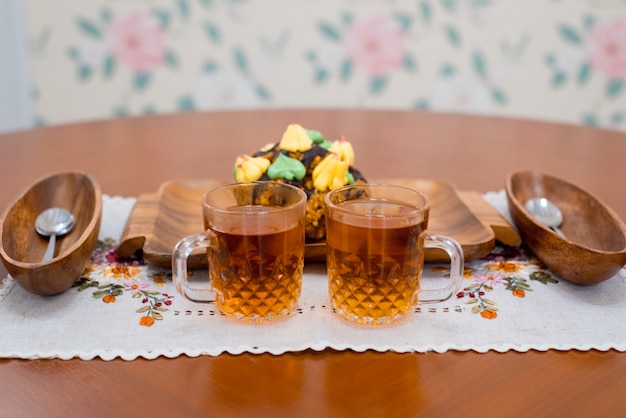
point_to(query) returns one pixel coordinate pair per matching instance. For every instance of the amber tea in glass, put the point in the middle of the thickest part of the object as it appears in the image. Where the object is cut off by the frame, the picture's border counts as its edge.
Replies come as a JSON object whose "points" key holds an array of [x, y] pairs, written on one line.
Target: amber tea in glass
{"points": [[254, 236], [375, 236]]}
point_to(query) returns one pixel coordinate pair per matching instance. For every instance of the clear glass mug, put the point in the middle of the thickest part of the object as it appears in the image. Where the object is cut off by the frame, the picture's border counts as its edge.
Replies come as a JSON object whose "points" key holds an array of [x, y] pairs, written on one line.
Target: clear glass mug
{"points": [[375, 239], [254, 239]]}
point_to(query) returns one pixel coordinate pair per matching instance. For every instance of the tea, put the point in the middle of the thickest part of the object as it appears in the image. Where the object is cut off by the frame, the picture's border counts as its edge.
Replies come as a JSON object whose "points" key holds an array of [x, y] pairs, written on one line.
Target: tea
{"points": [[254, 238], [375, 258], [256, 268]]}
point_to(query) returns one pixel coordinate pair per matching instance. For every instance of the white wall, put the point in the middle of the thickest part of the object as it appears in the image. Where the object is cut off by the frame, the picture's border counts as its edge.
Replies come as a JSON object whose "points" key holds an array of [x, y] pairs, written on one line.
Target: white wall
{"points": [[15, 111]]}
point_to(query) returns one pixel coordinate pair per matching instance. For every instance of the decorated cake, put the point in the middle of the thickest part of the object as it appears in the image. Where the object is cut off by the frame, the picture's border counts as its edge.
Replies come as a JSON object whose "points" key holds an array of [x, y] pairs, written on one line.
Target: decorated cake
{"points": [[305, 159]]}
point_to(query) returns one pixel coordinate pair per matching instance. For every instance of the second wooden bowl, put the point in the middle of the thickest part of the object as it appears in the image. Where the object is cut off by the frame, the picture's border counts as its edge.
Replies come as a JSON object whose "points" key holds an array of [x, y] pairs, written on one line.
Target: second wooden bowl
{"points": [[594, 247], [22, 248]]}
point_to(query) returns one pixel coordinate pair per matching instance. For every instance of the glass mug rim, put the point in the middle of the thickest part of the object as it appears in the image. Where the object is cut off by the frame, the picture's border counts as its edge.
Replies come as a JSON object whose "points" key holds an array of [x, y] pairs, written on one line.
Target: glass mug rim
{"points": [[216, 208], [415, 208]]}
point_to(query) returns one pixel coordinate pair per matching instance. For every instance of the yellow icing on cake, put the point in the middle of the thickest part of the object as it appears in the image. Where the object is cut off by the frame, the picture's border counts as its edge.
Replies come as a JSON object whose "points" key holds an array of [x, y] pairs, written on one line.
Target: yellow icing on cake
{"points": [[344, 150], [330, 173], [267, 146], [250, 168], [295, 139]]}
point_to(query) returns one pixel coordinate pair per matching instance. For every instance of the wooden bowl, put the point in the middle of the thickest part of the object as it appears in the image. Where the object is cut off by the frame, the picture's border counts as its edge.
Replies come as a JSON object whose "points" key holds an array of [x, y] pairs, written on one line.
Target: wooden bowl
{"points": [[22, 248], [594, 249]]}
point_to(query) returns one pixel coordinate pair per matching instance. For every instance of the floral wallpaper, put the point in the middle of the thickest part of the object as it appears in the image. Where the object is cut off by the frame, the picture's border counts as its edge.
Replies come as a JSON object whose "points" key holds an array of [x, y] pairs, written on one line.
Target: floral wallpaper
{"points": [[561, 60]]}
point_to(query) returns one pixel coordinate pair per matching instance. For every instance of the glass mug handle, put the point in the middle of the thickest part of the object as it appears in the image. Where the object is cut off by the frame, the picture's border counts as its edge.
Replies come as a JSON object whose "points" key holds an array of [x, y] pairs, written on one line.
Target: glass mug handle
{"points": [[455, 252], [182, 250]]}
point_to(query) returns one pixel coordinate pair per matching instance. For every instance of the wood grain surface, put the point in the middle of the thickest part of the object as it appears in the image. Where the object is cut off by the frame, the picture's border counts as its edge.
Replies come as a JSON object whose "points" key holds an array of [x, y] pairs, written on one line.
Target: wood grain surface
{"points": [[158, 221], [594, 246], [22, 248], [134, 156]]}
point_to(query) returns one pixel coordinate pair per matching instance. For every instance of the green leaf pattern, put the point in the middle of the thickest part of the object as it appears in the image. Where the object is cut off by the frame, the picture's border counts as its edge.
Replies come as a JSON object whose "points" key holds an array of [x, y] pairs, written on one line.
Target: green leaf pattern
{"points": [[468, 48]]}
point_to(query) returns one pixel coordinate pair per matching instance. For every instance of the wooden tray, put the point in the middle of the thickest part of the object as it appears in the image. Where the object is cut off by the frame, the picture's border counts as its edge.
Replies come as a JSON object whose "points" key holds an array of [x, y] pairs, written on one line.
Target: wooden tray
{"points": [[159, 220]]}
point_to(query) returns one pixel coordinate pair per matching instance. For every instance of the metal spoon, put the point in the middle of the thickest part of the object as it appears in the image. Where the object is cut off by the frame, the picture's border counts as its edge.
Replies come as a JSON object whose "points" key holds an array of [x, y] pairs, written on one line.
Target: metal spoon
{"points": [[53, 222], [546, 212]]}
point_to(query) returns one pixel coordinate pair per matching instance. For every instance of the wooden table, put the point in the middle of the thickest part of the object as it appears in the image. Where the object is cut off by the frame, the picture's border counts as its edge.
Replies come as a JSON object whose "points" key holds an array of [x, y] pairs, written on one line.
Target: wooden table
{"points": [[133, 156]]}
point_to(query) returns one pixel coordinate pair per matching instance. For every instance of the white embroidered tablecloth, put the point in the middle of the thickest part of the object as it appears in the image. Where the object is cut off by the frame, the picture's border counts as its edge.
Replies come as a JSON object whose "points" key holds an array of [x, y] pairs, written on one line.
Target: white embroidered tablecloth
{"points": [[127, 309]]}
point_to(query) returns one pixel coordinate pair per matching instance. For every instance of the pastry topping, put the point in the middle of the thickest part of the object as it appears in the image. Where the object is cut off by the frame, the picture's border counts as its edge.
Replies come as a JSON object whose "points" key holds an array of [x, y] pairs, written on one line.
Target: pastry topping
{"points": [[318, 138], [250, 168], [343, 149], [304, 159], [330, 173], [286, 168], [295, 138], [268, 147]]}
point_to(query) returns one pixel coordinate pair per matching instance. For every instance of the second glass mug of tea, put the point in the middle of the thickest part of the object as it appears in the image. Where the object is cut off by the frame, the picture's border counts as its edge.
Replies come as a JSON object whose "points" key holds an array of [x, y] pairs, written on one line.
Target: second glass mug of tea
{"points": [[375, 237], [254, 239]]}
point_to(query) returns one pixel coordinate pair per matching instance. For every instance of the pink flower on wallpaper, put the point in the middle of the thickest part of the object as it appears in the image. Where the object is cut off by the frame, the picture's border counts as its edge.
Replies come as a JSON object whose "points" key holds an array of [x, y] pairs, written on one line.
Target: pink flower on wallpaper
{"points": [[376, 44], [607, 48], [137, 41]]}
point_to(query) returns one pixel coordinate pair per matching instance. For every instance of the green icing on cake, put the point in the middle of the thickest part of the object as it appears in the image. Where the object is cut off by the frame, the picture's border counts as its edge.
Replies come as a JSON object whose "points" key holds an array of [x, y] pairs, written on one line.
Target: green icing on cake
{"points": [[286, 168]]}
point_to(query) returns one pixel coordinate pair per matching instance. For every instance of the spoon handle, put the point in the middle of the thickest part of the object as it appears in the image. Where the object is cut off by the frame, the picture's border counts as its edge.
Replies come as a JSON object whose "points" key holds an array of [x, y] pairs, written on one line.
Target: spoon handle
{"points": [[558, 231], [50, 250]]}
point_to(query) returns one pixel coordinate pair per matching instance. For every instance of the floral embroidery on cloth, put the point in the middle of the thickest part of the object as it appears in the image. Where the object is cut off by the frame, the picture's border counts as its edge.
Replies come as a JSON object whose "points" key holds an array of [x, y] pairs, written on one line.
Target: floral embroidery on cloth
{"points": [[506, 270], [513, 268], [111, 277]]}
